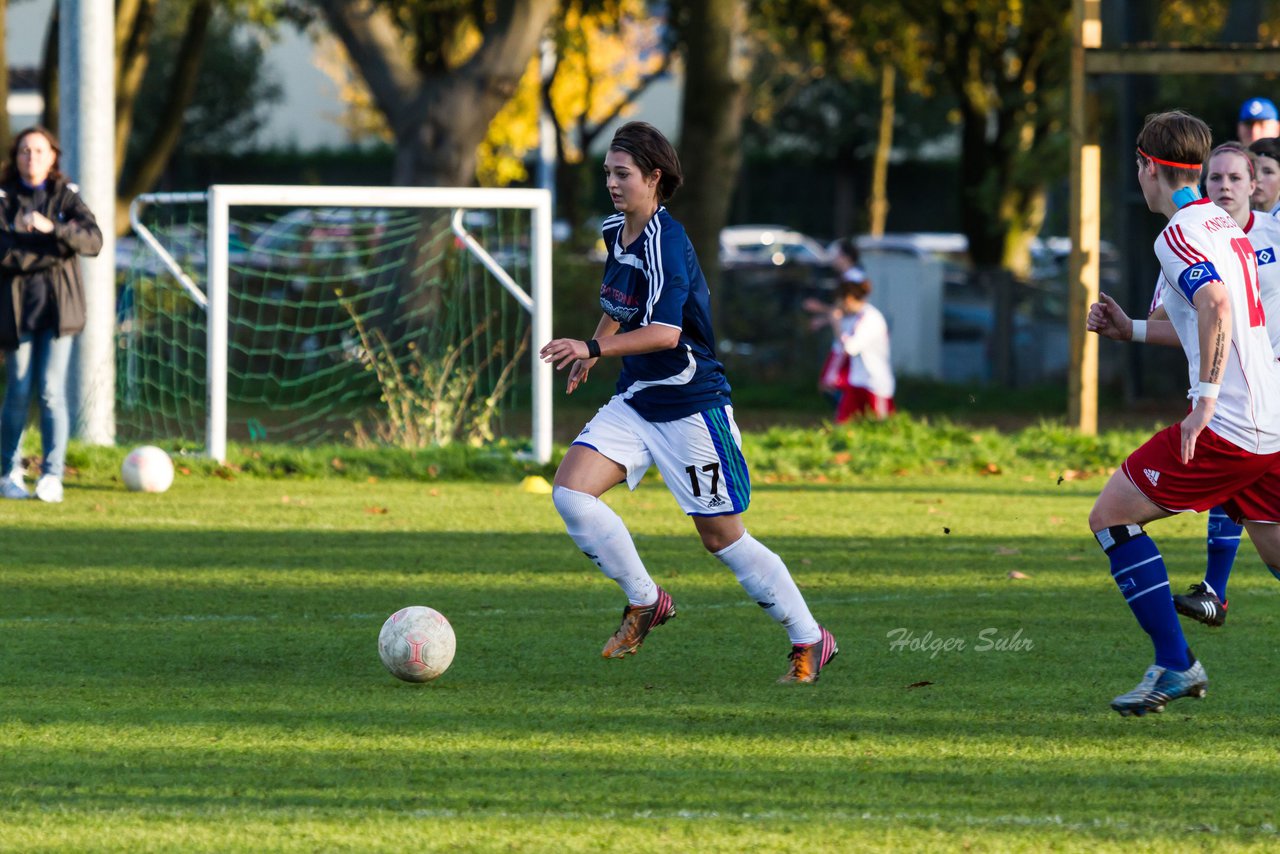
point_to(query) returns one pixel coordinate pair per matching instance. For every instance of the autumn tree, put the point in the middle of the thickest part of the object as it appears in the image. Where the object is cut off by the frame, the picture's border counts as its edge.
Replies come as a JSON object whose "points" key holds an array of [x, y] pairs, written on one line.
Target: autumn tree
{"points": [[826, 84], [607, 54], [182, 29], [712, 35], [438, 73], [1005, 64]]}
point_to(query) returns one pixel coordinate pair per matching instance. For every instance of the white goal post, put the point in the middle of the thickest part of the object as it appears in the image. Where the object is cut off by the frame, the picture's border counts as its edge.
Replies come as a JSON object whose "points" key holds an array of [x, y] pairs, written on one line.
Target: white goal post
{"points": [[220, 198]]}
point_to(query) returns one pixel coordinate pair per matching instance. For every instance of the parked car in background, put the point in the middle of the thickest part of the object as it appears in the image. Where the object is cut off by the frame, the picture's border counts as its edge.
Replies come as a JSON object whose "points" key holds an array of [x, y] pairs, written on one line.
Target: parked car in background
{"points": [[968, 302], [764, 245]]}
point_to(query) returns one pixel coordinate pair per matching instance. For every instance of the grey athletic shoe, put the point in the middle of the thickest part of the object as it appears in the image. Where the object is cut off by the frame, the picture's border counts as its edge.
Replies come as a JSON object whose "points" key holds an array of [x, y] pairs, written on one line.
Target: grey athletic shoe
{"points": [[1161, 686], [1201, 605]]}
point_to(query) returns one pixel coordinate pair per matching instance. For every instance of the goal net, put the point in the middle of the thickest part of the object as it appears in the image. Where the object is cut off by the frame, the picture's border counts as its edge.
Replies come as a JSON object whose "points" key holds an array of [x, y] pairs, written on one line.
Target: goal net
{"points": [[368, 315]]}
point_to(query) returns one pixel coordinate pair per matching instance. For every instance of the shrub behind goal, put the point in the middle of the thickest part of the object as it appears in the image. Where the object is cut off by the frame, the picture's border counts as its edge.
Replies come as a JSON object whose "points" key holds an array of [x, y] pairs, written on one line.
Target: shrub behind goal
{"points": [[379, 315]]}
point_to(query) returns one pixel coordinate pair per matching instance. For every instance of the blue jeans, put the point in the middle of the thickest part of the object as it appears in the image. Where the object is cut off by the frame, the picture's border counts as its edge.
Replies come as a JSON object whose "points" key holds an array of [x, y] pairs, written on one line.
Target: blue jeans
{"points": [[41, 356]]}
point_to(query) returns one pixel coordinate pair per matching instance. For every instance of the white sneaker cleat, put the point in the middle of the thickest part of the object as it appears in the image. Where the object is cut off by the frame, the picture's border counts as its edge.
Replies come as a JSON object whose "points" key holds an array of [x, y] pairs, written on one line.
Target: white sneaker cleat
{"points": [[13, 487], [49, 489]]}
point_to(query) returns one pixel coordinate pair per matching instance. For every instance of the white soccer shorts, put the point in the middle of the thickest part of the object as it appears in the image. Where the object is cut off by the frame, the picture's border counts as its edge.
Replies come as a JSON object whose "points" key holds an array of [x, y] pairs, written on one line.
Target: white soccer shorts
{"points": [[699, 457]]}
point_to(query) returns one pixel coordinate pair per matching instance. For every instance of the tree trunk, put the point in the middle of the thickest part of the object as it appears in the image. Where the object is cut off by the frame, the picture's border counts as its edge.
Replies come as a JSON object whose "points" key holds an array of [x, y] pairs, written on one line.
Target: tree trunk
{"points": [[981, 178], [438, 119], [135, 20], [164, 140], [713, 34], [879, 203]]}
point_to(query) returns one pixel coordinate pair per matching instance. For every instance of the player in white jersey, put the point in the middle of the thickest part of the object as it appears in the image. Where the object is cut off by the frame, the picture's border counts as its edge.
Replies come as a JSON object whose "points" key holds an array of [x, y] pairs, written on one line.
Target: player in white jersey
{"points": [[1266, 197], [1230, 182], [858, 368], [1227, 449]]}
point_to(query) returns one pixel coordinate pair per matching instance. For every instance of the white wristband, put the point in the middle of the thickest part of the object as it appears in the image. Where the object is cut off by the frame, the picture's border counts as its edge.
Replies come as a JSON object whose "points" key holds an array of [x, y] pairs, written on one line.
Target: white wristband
{"points": [[1208, 390], [1139, 331]]}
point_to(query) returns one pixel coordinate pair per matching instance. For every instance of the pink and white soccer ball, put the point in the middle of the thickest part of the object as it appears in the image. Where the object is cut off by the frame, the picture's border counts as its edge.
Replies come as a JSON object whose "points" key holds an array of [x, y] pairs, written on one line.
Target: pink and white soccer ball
{"points": [[416, 644], [147, 469]]}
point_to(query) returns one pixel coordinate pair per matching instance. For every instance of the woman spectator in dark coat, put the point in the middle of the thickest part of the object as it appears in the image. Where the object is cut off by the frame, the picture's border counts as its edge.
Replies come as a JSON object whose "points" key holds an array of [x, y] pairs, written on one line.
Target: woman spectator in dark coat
{"points": [[44, 226]]}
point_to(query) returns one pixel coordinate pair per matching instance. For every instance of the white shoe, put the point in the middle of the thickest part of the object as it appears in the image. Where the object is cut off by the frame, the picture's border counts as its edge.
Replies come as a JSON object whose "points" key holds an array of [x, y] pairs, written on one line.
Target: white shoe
{"points": [[13, 487], [49, 489]]}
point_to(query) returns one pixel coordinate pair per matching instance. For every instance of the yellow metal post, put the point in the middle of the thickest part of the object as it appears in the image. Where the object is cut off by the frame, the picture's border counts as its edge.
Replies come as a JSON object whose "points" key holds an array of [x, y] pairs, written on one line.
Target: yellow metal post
{"points": [[1082, 392]]}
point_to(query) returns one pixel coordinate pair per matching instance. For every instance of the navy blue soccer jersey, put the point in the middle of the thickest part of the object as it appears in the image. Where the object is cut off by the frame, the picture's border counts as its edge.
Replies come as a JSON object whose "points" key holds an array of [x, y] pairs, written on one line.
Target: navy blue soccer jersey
{"points": [[657, 280]]}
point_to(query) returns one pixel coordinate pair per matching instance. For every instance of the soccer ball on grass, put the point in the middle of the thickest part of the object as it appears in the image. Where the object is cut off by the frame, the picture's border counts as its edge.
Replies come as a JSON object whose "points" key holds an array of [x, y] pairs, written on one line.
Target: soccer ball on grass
{"points": [[147, 469], [416, 644]]}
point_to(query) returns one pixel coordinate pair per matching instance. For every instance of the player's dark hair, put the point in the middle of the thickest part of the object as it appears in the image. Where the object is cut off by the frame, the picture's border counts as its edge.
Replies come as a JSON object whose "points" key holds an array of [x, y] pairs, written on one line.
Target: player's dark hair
{"points": [[1266, 147], [651, 152], [1178, 138], [857, 290], [846, 247], [1235, 148]]}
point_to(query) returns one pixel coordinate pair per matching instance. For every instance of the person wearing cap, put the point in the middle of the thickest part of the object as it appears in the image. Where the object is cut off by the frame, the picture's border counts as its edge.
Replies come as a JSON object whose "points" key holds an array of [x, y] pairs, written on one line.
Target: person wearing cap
{"points": [[1259, 119], [1267, 195]]}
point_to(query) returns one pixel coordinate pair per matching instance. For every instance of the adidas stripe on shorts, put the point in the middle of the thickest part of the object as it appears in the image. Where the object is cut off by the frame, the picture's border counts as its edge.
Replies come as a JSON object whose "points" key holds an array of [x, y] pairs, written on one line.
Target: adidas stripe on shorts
{"points": [[699, 456]]}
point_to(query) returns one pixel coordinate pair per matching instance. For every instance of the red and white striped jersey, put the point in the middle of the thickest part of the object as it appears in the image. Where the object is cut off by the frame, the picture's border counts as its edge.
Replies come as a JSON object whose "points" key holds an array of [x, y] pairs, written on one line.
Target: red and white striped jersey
{"points": [[1203, 244]]}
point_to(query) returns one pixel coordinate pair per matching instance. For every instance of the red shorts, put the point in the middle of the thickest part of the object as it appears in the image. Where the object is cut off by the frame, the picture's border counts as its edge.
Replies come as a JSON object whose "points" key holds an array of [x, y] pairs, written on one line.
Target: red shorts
{"points": [[857, 401], [1220, 473]]}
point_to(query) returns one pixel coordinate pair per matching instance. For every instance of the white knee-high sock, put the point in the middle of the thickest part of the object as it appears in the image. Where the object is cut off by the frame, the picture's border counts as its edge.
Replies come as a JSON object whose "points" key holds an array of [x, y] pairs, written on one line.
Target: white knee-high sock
{"points": [[603, 537], [765, 578]]}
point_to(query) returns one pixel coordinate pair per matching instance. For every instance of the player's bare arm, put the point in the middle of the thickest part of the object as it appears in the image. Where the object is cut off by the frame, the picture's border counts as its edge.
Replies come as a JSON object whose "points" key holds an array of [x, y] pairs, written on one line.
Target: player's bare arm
{"points": [[1213, 308], [1109, 320], [647, 339], [1160, 330]]}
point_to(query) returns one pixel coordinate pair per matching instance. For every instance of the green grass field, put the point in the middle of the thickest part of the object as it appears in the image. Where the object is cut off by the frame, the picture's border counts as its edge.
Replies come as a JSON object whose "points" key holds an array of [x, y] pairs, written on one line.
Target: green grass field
{"points": [[198, 672]]}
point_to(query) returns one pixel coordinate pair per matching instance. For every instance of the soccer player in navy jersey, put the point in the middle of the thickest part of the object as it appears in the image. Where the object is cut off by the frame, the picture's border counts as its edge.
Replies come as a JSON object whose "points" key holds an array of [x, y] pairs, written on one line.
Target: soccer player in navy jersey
{"points": [[672, 409], [1227, 450]]}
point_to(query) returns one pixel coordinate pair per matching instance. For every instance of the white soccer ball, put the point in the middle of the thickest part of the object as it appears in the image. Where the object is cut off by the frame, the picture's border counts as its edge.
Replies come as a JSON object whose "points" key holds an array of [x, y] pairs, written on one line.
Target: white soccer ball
{"points": [[416, 644], [147, 469]]}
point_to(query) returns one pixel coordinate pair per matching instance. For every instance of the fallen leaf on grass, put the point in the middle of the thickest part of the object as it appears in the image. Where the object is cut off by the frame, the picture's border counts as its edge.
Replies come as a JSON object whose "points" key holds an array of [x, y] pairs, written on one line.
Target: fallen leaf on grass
{"points": [[918, 685], [1005, 550], [1018, 576], [376, 510]]}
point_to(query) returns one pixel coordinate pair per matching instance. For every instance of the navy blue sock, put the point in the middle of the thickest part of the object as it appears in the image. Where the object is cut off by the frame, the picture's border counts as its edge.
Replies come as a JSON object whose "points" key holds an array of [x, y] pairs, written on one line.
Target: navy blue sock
{"points": [[1139, 572], [1222, 544]]}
